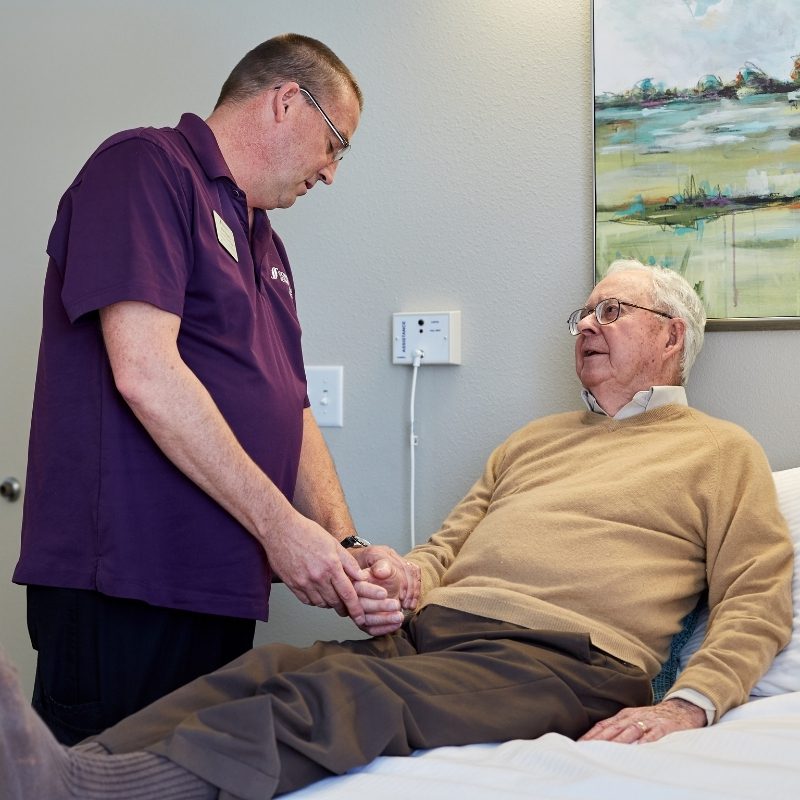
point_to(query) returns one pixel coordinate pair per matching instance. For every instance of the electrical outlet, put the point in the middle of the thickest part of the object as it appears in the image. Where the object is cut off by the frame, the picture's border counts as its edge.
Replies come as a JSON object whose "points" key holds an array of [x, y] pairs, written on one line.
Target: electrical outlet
{"points": [[326, 395], [437, 334]]}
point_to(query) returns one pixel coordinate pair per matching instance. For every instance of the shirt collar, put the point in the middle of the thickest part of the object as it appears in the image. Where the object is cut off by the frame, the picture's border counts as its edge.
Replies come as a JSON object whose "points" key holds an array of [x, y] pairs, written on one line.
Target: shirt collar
{"points": [[642, 401], [204, 145]]}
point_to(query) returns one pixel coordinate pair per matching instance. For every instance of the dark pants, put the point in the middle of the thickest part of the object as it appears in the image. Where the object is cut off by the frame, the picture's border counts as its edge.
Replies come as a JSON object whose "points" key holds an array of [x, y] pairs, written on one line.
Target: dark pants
{"points": [[281, 717], [102, 658]]}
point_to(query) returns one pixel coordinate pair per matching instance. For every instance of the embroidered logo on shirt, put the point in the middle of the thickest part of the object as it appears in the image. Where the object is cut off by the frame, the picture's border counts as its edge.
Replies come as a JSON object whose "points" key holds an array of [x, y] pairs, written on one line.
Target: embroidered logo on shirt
{"points": [[278, 274], [225, 235]]}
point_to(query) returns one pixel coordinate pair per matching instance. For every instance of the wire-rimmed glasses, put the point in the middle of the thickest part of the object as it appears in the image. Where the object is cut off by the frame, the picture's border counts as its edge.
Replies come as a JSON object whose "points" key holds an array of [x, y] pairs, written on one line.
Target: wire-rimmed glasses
{"points": [[344, 143], [606, 312]]}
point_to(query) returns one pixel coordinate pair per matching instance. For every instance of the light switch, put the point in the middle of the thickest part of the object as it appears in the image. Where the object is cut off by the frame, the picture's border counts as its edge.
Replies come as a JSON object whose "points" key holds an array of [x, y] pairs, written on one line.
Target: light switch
{"points": [[326, 395]]}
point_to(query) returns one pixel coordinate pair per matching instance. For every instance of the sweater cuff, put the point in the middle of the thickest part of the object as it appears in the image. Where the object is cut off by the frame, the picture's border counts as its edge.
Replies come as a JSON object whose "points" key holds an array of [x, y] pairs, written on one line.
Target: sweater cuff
{"points": [[697, 699]]}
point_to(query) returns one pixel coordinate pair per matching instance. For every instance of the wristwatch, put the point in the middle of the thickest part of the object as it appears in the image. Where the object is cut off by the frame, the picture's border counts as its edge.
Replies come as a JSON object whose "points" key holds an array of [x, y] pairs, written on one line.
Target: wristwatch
{"points": [[354, 541]]}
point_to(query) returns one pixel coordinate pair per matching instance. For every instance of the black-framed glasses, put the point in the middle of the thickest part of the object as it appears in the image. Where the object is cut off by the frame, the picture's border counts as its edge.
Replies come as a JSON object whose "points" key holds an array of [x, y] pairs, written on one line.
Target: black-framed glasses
{"points": [[606, 312], [343, 142]]}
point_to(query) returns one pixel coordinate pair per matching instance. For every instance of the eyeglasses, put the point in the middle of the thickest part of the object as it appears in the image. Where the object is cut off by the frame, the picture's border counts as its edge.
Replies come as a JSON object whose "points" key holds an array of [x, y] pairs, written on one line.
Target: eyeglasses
{"points": [[344, 144], [606, 311]]}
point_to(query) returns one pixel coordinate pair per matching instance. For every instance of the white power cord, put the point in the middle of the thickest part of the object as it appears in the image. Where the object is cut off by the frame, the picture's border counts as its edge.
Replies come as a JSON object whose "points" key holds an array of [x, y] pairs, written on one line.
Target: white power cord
{"points": [[413, 441]]}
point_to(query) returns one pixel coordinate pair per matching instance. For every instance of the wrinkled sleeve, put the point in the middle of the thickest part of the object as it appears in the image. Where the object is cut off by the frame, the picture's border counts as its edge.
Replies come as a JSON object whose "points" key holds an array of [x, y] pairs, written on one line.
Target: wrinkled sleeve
{"points": [[749, 560]]}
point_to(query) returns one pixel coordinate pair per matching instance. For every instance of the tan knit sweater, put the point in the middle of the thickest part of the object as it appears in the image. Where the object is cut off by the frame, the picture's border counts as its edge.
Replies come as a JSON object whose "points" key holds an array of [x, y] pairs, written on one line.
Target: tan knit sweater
{"points": [[584, 523]]}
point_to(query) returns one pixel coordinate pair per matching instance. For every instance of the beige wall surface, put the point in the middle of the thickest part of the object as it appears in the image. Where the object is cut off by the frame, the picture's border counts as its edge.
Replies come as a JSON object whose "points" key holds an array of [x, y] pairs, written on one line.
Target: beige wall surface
{"points": [[469, 186]]}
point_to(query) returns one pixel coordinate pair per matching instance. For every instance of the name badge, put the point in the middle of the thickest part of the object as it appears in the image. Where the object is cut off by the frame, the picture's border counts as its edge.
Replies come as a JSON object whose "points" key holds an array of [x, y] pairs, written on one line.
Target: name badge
{"points": [[225, 235]]}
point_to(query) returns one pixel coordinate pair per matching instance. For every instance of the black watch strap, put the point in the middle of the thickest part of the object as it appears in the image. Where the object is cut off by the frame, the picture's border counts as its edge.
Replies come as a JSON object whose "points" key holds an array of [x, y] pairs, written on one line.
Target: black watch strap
{"points": [[354, 541]]}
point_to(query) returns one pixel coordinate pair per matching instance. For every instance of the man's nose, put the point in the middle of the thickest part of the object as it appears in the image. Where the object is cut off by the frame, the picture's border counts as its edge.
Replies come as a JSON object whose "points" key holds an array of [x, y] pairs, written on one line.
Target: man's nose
{"points": [[588, 323], [327, 173]]}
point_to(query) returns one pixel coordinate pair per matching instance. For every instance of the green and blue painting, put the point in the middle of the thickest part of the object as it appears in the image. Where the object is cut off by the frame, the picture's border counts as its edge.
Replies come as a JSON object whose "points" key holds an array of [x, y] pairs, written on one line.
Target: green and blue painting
{"points": [[697, 147]]}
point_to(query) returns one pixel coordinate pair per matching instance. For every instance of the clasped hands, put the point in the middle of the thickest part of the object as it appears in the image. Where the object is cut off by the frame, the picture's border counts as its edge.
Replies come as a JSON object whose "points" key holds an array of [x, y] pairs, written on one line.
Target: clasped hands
{"points": [[389, 585], [371, 585], [385, 586]]}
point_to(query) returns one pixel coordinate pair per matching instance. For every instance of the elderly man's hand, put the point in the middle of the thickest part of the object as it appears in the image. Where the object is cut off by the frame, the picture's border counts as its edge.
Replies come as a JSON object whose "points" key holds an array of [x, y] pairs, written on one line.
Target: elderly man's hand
{"points": [[400, 578], [382, 614], [390, 584], [648, 723]]}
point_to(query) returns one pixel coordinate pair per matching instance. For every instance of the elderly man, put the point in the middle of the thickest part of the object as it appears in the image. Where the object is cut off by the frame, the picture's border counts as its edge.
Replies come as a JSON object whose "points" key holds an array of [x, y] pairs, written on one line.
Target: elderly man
{"points": [[173, 468], [549, 596]]}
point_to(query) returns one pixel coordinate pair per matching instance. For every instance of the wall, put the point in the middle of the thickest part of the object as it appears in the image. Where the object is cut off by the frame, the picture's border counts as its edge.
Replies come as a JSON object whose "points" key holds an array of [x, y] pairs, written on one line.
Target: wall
{"points": [[469, 186]]}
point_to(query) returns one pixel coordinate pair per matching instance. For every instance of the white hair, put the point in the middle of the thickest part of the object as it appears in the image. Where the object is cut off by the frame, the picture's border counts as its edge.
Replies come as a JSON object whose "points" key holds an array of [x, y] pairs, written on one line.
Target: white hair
{"points": [[672, 293]]}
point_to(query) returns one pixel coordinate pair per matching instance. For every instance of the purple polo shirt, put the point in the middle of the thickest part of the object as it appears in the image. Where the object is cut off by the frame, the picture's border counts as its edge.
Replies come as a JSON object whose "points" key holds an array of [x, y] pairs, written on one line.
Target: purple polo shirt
{"points": [[104, 508]]}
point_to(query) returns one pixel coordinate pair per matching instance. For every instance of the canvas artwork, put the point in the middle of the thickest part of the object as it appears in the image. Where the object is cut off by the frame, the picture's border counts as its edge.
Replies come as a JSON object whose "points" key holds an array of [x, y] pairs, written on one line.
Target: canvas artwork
{"points": [[697, 149]]}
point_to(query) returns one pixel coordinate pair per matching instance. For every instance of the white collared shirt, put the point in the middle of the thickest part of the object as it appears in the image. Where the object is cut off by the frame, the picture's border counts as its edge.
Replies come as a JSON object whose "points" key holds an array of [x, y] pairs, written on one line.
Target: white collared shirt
{"points": [[642, 401]]}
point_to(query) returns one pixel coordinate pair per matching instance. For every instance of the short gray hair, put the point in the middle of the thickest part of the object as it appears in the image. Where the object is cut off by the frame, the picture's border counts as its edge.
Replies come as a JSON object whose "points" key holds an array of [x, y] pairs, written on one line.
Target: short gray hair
{"points": [[290, 56], [671, 292]]}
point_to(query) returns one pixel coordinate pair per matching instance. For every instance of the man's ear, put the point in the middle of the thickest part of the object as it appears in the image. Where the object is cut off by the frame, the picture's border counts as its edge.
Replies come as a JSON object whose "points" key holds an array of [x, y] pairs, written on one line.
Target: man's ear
{"points": [[676, 329], [282, 99]]}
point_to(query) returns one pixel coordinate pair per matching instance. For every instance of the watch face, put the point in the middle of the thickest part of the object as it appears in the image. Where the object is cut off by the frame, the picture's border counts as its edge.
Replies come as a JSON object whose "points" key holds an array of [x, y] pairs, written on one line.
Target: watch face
{"points": [[354, 541]]}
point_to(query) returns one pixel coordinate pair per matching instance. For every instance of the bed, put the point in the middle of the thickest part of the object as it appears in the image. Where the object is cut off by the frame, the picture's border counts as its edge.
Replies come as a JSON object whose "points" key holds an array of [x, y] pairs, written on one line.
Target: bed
{"points": [[752, 752]]}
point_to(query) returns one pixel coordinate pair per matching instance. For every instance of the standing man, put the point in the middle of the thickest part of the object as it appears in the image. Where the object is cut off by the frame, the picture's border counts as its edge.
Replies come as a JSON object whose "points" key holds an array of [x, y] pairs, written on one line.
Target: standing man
{"points": [[174, 464]]}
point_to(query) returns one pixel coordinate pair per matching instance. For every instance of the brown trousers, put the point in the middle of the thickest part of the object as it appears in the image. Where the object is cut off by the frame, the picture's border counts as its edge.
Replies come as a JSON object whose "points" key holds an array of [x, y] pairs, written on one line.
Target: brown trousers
{"points": [[281, 717]]}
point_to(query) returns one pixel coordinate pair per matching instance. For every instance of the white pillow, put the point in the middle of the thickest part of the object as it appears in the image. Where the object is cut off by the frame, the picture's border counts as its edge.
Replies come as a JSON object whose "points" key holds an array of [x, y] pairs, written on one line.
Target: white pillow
{"points": [[784, 674]]}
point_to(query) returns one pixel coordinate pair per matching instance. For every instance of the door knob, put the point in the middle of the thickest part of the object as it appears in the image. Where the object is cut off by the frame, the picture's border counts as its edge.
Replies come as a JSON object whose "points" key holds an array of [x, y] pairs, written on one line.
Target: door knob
{"points": [[10, 489]]}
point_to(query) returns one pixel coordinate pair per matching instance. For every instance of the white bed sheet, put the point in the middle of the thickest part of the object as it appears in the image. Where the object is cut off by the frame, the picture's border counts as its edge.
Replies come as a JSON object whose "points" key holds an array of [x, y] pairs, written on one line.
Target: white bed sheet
{"points": [[753, 752]]}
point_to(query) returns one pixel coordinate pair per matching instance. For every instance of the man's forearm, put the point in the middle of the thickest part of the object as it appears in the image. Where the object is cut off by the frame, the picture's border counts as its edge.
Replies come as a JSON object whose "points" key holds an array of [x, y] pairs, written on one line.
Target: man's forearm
{"points": [[318, 493]]}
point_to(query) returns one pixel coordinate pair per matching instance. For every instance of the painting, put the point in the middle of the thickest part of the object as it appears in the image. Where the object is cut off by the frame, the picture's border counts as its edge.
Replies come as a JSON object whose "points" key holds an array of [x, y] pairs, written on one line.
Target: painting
{"points": [[697, 149]]}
